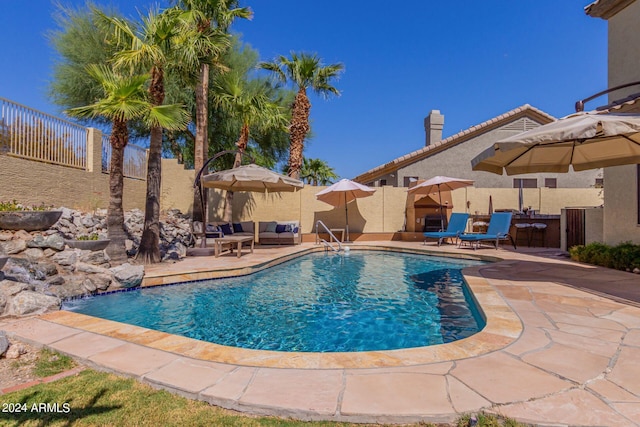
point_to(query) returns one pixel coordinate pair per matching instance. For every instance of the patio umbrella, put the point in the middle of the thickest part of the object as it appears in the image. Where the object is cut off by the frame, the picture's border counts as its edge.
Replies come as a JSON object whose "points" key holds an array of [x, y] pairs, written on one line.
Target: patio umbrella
{"points": [[583, 140], [251, 178], [343, 192], [439, 183]]}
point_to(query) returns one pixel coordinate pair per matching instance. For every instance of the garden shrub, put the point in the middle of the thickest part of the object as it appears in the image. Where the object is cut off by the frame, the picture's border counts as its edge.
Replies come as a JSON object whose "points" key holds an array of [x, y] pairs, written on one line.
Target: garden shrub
{"points": [[625, 256]]}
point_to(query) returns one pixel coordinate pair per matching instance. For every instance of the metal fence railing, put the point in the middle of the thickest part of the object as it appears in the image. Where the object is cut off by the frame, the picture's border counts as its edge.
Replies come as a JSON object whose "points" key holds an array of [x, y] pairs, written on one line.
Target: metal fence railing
{"points": [[135, 159], [34, 135]]}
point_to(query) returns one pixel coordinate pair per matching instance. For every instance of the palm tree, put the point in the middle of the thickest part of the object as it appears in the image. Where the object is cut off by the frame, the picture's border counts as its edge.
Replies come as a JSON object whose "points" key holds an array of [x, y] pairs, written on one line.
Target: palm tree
{"points": [[211, 19], [124, 99], [303, 71], [249, 104], [317, 172], [151, 46]]}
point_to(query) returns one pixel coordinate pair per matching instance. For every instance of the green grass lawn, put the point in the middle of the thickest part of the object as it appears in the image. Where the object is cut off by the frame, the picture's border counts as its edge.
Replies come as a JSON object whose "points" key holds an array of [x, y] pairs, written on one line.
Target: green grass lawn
{"points": [[93, 398]]}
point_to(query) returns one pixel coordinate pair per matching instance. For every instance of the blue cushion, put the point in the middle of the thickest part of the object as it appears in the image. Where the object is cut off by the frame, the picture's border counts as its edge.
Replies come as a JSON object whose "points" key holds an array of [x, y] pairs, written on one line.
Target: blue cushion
{"points": [[226, 229], [295, 230], [281, 228], [237, 228]]}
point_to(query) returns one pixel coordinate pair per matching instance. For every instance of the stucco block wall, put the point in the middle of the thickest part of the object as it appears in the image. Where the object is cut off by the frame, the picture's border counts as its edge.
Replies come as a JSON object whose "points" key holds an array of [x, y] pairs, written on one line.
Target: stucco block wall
{"points": [[176, 188], [382, 212], [456, 161], [621, 201], [33, 182]]}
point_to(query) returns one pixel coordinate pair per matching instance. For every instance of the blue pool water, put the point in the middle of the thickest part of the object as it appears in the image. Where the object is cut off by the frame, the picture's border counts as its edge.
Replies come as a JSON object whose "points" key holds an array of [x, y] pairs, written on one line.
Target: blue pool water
{"points": [[362, 301]]}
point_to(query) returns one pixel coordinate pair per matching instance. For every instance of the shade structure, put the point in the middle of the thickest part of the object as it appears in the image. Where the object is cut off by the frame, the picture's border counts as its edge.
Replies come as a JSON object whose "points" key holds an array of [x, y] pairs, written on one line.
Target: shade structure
{"points": [[439, 183], [342, 193], [587, 140], [251, 178]]}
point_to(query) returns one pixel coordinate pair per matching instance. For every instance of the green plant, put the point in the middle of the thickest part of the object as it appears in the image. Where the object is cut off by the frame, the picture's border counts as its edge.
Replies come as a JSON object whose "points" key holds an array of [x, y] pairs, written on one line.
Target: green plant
{"points": [[625, 256], [13, 206], [51, 363], [92, 236]]}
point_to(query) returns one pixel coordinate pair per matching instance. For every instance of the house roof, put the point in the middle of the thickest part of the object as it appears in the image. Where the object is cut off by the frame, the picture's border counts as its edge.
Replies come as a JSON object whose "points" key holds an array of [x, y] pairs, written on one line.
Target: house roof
{"points": [[605, 9], [436, 147]]}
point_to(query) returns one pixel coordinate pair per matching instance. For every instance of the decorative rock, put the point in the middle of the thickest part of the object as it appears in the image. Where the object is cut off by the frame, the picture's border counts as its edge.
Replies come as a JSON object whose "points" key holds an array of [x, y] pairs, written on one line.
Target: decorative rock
{"points": [[89, 285], [55, 281], [15, 351], [29, 302], [89, 268], [96, 258], [127, 275], [66, 258], [14, 246], [636, 270], [4, 342], [34, 254], [47, 268], [9, 287], [102, 281]]}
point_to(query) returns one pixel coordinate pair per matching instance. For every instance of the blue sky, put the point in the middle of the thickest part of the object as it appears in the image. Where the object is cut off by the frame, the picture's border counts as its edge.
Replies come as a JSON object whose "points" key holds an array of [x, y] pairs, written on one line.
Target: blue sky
{"points": [[471, 60]]}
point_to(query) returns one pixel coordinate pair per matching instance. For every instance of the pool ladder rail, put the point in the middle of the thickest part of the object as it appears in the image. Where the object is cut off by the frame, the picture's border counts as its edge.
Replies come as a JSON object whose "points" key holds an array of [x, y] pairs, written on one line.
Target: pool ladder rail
{"points": [[327, 245]]}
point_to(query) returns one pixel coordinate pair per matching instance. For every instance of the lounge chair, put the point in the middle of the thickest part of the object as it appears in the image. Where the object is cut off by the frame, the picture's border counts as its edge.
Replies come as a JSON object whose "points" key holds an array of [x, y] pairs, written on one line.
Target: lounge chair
{"points": [[499, 225], [457, 225]]}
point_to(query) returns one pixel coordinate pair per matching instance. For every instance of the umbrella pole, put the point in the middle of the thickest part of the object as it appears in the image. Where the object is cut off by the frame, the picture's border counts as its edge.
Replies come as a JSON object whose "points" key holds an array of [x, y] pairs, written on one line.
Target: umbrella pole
{"points": [[346, 216], [440, 208]]}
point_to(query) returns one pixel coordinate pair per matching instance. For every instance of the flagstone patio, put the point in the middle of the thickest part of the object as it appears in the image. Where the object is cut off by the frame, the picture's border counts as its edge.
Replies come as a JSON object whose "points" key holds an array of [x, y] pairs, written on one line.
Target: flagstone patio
{"points": [[556, 350]]}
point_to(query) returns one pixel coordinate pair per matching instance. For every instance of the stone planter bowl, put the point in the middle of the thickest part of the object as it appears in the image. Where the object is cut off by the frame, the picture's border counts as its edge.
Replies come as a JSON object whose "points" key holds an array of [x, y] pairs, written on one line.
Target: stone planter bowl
{"points": [[88, 245], [28, 220]]}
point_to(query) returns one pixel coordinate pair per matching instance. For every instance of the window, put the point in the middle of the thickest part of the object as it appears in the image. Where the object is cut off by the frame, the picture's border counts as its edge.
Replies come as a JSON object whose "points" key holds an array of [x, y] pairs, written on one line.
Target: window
{"points": [[599, 183], [409, 179], [551, 182], [526, 182], [382, 182]]}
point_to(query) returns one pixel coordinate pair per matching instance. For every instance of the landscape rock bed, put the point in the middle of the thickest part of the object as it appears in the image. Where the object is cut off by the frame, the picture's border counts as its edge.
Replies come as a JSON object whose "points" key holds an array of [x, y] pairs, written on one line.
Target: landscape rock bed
{"points": [[42, 270]]}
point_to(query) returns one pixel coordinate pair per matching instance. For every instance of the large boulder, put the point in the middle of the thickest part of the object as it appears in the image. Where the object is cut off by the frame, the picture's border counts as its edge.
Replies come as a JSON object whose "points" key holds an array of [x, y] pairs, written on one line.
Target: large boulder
{"points": [[127, 275], [29, 302], [4, 343]]}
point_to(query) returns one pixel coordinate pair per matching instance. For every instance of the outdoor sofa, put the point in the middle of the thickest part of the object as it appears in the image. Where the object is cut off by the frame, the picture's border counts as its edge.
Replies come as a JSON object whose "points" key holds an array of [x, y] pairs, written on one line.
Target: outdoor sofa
{"points": [[279, 233]]}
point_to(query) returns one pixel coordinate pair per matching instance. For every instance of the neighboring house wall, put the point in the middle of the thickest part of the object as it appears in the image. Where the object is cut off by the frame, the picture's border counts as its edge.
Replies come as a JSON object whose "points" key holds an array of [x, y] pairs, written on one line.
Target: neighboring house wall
{"points": [[452, 156], [456, 162], [621, 199]]}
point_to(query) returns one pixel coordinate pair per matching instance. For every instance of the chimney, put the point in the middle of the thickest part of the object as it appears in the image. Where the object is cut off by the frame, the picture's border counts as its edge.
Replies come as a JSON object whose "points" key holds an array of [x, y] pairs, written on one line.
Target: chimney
{"points": [[433, 125]]}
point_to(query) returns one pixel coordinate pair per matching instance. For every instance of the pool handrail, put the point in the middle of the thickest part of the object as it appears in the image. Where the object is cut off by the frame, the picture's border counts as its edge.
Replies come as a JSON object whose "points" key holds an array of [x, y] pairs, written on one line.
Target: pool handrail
{"points": [[331, 237]]}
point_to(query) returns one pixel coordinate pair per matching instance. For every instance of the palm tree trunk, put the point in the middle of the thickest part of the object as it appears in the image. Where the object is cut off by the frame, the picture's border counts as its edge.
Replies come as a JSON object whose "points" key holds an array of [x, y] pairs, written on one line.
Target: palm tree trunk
{"points": [[298, 131], [242, 143], [149, 251], [115, 214], [201, 148]]}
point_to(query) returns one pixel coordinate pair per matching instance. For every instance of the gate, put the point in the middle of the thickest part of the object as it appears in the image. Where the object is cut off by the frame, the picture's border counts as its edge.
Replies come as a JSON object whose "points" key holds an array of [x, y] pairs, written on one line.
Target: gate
{"points": [[575, 227]]}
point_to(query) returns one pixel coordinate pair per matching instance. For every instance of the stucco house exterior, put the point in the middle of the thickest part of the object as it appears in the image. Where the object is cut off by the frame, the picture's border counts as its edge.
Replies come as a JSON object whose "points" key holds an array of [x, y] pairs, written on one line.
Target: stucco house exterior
{"points": [[452, 156], [622, 198]]}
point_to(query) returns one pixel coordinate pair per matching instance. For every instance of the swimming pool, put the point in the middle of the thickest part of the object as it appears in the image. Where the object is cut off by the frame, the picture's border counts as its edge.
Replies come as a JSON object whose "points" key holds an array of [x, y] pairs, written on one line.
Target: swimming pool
{"points": [[367, 300]]}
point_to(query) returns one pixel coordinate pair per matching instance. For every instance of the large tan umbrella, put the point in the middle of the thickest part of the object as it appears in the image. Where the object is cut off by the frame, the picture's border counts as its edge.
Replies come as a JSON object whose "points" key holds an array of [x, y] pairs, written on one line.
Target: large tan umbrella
{"points": [[251, 178], [439, 183], [342, 193], [583, 140]]}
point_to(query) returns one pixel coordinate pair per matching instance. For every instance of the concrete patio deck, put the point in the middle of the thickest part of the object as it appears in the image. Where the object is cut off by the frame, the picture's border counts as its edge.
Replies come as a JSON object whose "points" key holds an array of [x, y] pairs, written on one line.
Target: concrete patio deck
{"points": [[555, 351]]}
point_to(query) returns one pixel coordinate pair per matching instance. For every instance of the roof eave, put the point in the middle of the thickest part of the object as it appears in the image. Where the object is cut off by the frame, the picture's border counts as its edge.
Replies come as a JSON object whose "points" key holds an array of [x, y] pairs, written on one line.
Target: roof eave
{"points": [[605, 9]]}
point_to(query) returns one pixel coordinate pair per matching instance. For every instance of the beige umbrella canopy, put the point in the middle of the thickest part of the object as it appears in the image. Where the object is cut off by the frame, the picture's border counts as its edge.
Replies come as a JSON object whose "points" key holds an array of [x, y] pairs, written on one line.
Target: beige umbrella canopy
{"points": [[251, 178], [440, 183], [343, 192], [583, 140]]}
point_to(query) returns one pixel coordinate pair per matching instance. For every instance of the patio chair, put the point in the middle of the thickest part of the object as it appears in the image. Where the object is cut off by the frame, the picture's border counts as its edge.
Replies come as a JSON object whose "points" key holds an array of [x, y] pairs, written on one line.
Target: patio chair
{"points": [[457, 225], [499, 225]]}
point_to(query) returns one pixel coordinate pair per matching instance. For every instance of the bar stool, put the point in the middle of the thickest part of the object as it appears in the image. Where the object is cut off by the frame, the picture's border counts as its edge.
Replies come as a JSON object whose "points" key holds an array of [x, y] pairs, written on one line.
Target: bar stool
{"points": [[523, 227], [540, 230]]}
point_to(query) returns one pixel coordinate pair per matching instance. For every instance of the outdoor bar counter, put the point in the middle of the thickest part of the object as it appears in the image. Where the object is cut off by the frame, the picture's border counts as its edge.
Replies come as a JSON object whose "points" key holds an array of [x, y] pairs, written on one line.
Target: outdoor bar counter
{"points": [[548, 237]]}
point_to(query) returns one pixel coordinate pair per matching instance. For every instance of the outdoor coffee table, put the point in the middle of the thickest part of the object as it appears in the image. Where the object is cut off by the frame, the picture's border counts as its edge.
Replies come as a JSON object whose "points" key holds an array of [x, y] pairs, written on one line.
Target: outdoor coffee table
{"points": [[230, 241]]}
